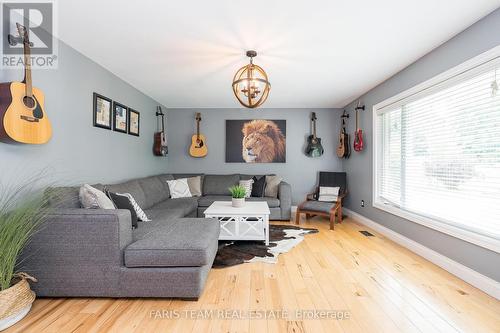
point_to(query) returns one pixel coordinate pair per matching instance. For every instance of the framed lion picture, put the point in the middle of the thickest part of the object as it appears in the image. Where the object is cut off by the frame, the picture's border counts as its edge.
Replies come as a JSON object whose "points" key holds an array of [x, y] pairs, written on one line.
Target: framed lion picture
{"points": [[255, 141]]}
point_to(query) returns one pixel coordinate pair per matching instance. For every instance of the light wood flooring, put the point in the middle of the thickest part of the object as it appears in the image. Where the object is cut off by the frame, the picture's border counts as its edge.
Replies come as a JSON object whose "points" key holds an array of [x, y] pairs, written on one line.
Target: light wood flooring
{"points": [[382, 286]]}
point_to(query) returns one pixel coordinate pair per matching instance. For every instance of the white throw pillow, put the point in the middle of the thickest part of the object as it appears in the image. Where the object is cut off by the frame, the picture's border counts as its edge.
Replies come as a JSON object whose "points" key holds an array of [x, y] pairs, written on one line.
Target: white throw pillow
{"points": [[247, 184], [141, 216], [328, 194], [92, 198], [179, 188]]}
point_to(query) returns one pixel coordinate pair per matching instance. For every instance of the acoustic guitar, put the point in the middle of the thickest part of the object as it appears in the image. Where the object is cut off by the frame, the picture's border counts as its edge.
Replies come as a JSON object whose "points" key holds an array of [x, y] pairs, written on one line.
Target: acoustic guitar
{"points": [[314, 147], [22, 112], [198, 142], [160, 147], [358, 134], [343, 149]]}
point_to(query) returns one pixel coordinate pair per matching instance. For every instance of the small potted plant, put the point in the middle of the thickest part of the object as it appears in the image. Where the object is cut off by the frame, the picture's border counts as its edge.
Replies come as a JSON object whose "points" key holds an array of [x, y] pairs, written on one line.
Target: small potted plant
{"points": [[21, 213], [238, 193]]}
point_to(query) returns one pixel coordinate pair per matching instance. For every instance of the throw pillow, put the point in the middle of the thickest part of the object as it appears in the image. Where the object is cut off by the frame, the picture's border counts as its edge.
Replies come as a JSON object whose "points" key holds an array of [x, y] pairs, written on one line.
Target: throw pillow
{"points": [[247, 184], [258, 186], [272, 186], [121, 201], [92, 198], [141, 216], [179, 188], [194, 184], [328, 194]]}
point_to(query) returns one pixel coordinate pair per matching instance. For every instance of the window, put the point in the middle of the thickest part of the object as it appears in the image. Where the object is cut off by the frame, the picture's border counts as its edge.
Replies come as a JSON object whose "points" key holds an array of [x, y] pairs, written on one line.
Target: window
{"points": [[437, 152]]}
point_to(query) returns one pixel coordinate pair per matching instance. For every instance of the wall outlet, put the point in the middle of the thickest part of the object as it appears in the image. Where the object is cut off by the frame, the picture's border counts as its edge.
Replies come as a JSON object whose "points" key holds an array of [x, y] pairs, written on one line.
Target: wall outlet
{"points": [[362, 203]]}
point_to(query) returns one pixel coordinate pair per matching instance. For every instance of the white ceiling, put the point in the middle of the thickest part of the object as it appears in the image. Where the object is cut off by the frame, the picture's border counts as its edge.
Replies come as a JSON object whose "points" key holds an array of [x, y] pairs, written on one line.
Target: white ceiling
{"points": [[317, 53]]}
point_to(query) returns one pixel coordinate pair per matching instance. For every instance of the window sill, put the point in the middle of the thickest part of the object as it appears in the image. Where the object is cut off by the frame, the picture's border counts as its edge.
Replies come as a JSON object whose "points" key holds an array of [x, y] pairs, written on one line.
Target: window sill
{"points": [[466, 235]]}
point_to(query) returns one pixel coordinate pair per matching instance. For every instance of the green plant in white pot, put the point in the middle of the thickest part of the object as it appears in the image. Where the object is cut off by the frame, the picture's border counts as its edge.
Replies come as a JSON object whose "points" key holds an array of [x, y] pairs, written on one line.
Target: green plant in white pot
{"points": [[21, 212], [238, 194]]}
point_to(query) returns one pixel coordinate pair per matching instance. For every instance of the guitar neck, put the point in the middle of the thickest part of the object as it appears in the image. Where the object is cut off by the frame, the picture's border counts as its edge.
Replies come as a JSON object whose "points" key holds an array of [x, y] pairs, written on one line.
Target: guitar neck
{"points": [[314, 128], [27, 70]]}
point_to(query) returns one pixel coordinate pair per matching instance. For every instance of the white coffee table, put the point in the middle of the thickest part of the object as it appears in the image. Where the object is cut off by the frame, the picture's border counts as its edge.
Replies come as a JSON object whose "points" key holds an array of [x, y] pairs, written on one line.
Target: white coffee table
{"points": [[250, 222]]}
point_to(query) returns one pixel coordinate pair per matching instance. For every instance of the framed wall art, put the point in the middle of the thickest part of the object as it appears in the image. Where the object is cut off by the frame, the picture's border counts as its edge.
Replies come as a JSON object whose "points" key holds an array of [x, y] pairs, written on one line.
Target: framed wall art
{"points": [[120, 118], [102, 111], [256, 141]]}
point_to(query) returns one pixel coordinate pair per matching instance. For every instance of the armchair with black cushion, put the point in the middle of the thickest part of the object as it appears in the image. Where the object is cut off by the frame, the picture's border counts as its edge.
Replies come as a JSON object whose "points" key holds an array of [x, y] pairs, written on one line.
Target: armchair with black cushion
{"points": [[312, 206]]}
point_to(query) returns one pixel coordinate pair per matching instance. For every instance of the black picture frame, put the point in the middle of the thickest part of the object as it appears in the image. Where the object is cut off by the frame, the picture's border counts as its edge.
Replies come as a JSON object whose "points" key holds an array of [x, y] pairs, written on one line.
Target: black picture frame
{"points": [[118, 111], [130, 123], [98, 100]]}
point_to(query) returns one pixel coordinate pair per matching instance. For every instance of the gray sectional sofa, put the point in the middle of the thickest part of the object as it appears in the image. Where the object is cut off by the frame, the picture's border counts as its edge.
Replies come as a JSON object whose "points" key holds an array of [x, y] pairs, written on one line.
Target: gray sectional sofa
{"points": [[95, 253]]}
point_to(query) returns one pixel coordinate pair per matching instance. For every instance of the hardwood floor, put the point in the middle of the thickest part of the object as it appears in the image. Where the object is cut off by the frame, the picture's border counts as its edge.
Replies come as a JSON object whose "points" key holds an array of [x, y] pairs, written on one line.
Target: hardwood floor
{"points": [[382, 286]]}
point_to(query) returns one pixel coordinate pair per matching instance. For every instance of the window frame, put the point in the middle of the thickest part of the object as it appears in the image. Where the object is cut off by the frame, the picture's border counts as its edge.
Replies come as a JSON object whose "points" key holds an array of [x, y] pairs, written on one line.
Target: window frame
{"points": [[436, 83]]}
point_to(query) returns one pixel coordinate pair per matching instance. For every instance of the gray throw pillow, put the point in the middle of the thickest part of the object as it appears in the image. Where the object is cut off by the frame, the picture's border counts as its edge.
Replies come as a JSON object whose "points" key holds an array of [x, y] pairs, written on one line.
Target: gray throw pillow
{"points": [[194, 184], [92, 198], [272, 186]]}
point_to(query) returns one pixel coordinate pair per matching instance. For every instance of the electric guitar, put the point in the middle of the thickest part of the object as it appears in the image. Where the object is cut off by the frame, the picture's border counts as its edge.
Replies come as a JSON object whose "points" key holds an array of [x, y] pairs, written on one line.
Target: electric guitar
{"points": [[22, 112], [358, 134], [160, 147], [198, 142], [314, 147], [343, 149]]}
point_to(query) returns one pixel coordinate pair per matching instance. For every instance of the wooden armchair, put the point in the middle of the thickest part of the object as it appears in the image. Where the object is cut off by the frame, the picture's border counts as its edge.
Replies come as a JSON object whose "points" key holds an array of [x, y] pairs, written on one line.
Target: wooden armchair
{"points": [[312, 206]]}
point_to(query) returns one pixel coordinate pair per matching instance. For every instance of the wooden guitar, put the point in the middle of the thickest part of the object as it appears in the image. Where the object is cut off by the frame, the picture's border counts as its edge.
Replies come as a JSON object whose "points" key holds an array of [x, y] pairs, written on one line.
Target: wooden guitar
{"points": [[358, 134], [314, 147], [160, 147], [22, 112], [343, 149], [198, 142]]}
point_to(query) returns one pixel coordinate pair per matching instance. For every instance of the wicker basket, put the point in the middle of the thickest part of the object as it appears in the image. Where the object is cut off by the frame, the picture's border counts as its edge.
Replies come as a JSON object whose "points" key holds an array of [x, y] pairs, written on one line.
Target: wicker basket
{"points": [[16, 298]]}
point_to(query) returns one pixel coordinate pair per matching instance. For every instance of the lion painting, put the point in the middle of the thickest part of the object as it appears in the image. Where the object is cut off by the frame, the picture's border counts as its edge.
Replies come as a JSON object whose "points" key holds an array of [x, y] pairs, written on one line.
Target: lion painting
{"points": [[263, 142]]}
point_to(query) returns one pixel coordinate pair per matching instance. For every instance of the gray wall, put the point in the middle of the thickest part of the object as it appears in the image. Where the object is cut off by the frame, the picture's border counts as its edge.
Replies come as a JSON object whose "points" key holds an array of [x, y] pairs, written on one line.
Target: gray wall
{"points": [[471, 42], [79, 152], [299, 170]]}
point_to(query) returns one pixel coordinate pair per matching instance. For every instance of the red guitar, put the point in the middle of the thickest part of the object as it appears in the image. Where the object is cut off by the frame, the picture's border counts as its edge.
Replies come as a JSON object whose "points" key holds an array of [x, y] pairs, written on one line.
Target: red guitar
{"points": [[358, 134]]}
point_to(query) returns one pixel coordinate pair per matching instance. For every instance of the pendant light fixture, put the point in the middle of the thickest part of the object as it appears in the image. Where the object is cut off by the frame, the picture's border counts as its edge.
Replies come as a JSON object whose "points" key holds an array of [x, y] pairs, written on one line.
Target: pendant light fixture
{"points": [[250, 84]]}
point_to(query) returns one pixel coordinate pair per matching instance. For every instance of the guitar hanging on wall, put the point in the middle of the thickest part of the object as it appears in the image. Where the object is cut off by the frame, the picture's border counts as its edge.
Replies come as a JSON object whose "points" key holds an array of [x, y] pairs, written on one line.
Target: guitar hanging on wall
{"points": [[358, 134], [160, 147], [314, 147], [343, 149], [198, 142], [22, 112]]}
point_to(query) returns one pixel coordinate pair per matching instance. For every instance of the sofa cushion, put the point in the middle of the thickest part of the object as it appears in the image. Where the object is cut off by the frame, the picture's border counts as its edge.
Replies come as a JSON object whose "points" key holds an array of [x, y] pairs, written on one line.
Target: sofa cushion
{"points": [[187, 205], [181, 242], [154, 191], [207, 200], [133, 187], [219, 184]]}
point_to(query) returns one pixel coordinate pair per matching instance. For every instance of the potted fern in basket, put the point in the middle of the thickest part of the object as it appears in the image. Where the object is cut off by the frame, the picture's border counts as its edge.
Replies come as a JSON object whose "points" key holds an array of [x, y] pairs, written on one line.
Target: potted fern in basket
{"points": [[238, 194], [21, 212]]}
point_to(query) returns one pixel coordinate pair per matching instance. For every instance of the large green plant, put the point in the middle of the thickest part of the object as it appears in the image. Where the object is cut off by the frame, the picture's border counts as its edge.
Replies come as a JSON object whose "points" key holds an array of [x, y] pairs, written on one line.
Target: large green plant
{"points": [[21, 212], [237, 191]]}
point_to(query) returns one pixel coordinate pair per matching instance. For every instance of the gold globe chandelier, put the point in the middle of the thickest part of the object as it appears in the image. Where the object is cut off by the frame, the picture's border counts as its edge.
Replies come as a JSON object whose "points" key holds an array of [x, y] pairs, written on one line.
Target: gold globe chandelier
{"points": [[250, 84]]}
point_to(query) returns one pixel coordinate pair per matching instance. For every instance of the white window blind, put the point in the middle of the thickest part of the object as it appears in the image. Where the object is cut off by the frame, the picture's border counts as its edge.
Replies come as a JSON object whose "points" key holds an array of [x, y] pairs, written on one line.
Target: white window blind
{"points": [[438, 151]]}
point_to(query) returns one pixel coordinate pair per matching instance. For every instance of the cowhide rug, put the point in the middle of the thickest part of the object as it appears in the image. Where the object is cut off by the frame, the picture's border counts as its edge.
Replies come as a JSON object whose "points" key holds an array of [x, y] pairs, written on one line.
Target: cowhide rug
{"points": [[282, 238]]}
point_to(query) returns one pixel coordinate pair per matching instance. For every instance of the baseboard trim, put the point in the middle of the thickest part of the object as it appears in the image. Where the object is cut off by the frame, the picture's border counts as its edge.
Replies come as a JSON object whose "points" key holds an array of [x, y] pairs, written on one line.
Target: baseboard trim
{"points": [[478, 280]]}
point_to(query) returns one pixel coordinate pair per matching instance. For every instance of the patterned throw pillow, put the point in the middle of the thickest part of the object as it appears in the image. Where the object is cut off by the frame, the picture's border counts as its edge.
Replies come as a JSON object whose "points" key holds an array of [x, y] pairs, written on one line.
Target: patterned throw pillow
{"points": [[141, 216], [247, 184], [272, 186], [179, 188], [328, 194], [92, 198], [123, 202]]}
